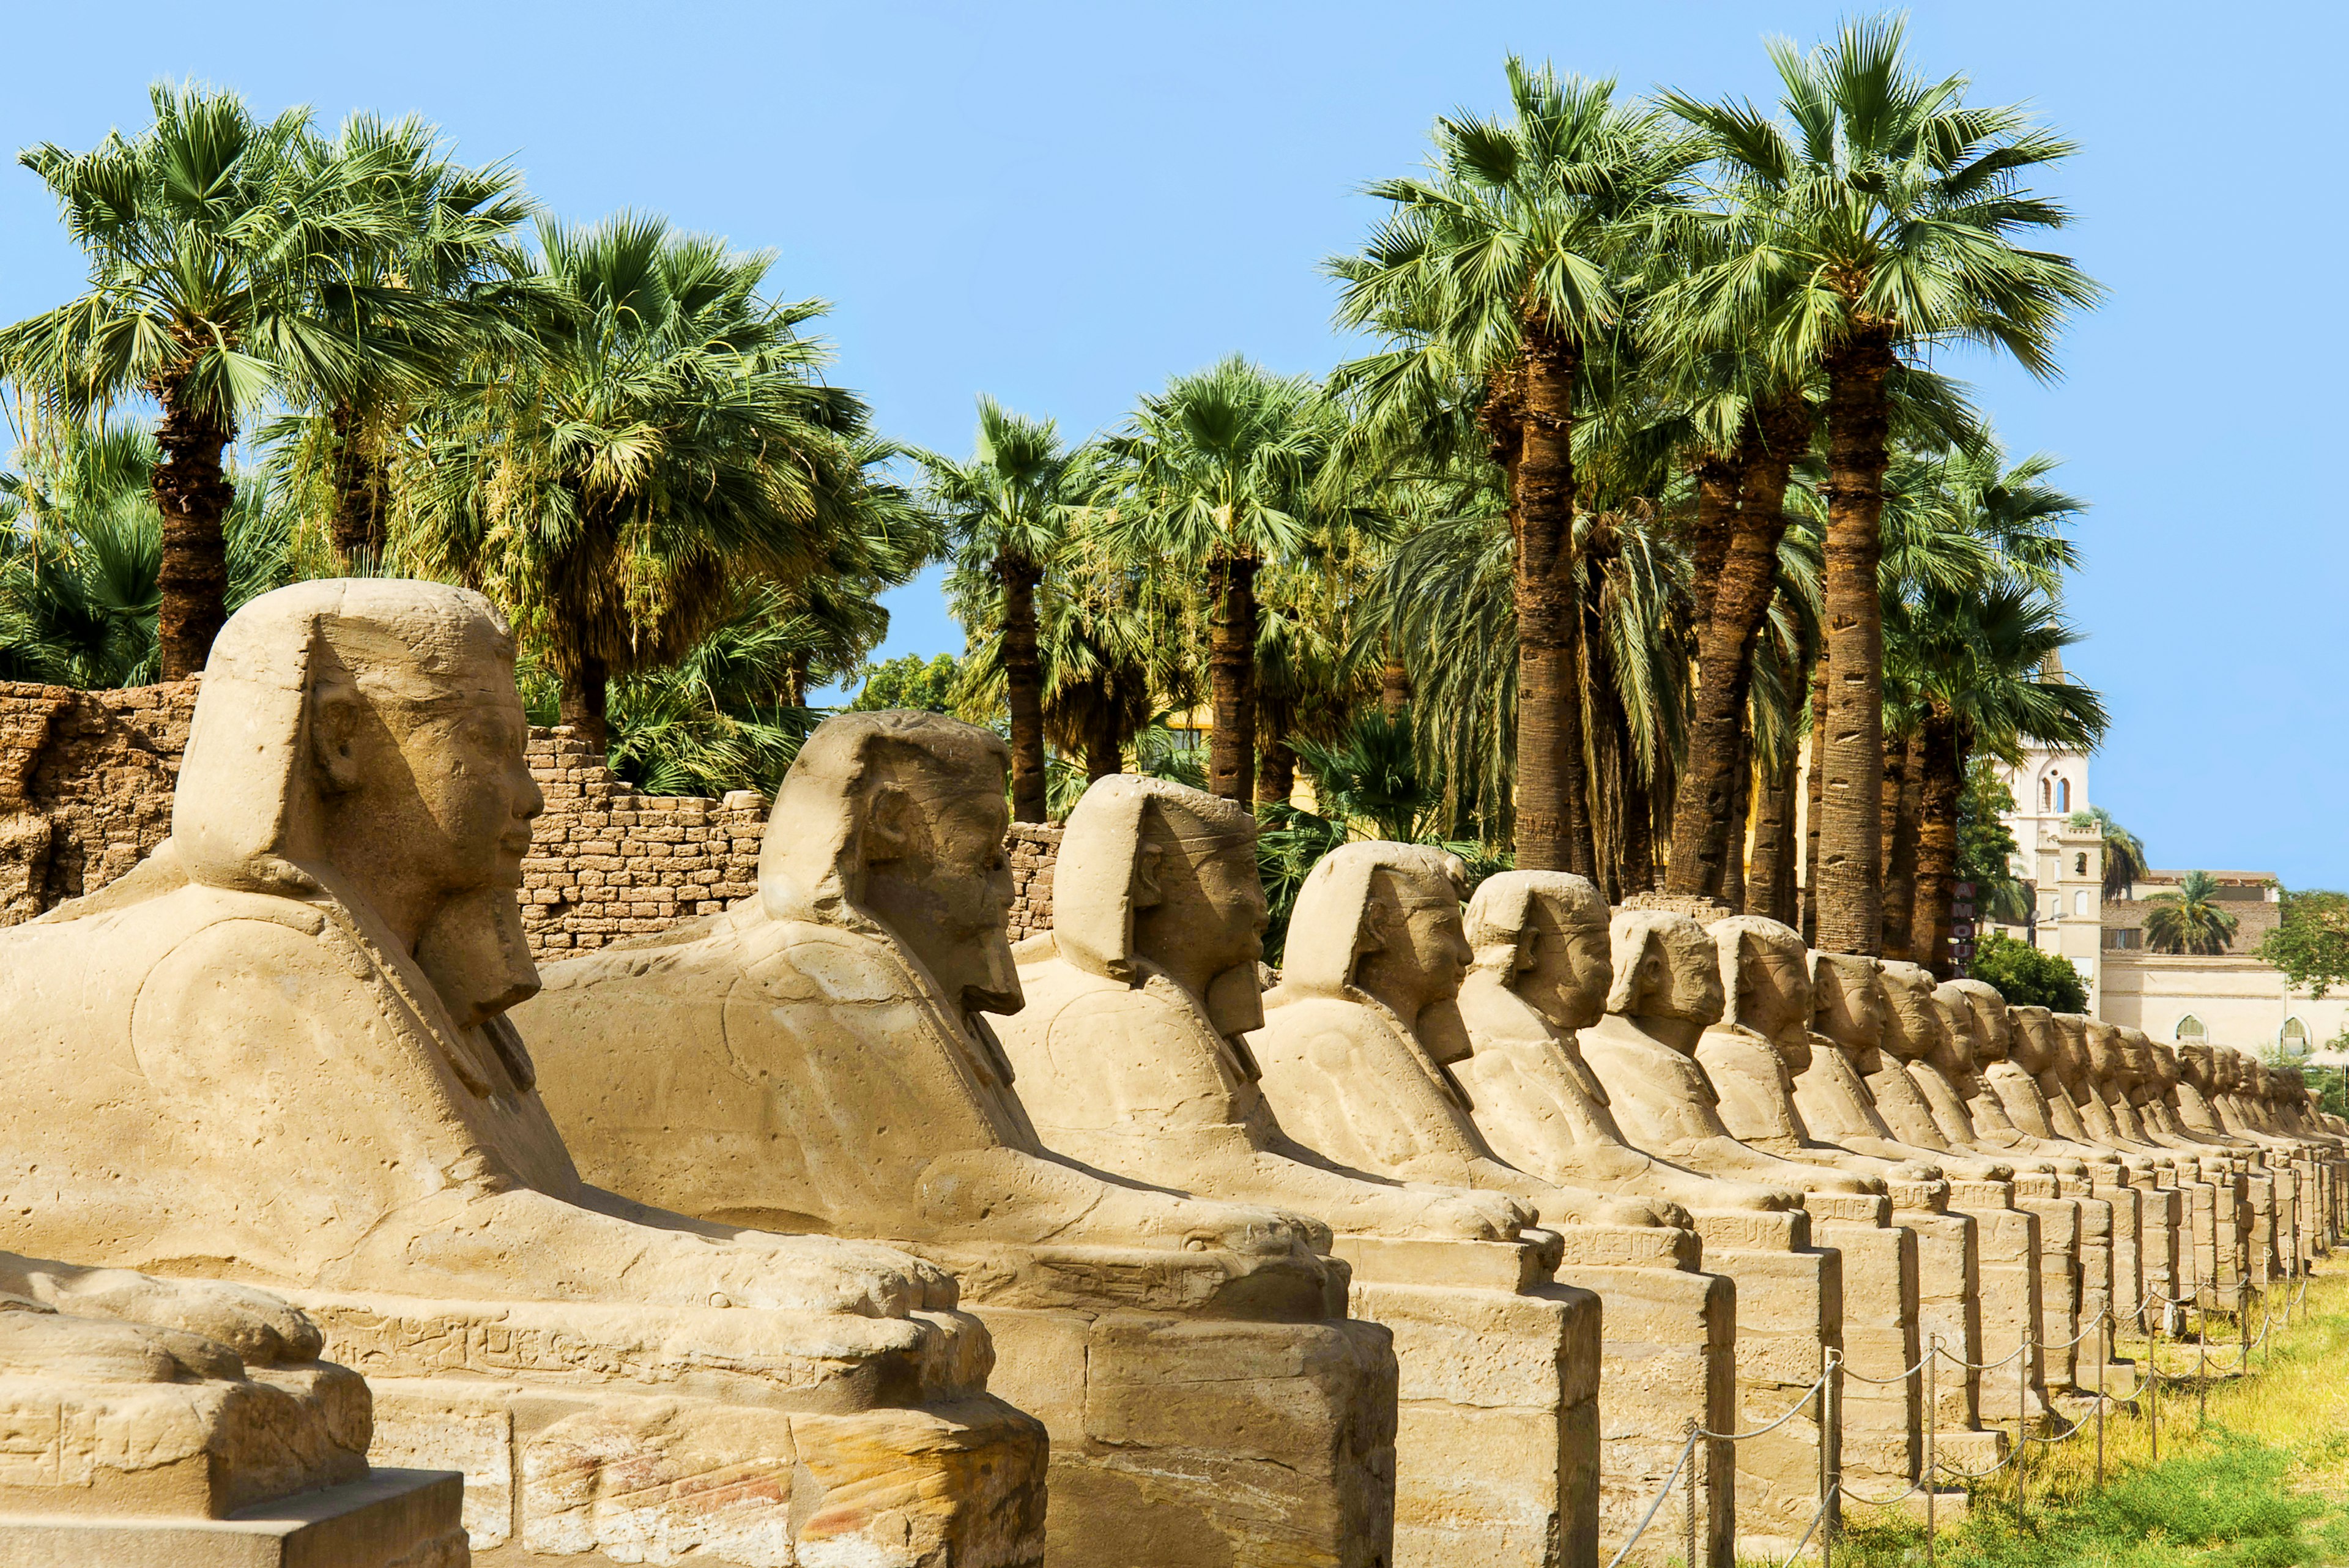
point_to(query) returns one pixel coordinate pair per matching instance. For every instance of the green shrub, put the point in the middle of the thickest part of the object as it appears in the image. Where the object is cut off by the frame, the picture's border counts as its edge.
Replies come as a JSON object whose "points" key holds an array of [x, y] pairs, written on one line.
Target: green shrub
{"points": [[2027, 977]]}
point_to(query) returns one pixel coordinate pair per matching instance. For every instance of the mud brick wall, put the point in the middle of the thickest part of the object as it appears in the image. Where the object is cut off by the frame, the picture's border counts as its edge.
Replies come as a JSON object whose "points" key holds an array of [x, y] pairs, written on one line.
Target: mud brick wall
{"points": [[1034, 847], [606, 863], [86, 781]]}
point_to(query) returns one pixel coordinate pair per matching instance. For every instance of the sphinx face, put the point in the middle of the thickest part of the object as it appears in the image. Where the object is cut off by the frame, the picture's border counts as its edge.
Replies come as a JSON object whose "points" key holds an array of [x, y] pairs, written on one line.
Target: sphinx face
{"points": [[942, 884], [1994, 1031], [1911, 1022], [1209, 914], [1848, 1003], [426, 796], [1774, 995], [2102, 1044], [1564, 966], [2033, 1044], [1423, 953]]}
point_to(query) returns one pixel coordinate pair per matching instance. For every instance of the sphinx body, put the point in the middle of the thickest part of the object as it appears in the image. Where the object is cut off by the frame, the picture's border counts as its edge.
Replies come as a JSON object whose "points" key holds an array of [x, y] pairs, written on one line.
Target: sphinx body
{"points": [[820, 1057], [1352, 1054], [312, 975], [1131, 1056]]}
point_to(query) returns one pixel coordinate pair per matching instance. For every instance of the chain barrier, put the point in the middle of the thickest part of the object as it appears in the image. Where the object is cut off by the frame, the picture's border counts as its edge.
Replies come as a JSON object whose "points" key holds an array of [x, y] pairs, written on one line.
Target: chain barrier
{"points": [[2105, 1324]]}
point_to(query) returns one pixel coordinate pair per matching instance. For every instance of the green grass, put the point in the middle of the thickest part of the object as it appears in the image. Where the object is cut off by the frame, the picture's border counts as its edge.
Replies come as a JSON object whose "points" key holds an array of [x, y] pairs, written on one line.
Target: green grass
{"points": [[2263, 1483]]}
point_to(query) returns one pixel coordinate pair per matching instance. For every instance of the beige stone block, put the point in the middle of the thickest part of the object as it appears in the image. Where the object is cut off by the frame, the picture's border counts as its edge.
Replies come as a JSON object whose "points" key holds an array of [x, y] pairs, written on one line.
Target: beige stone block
{"points": [[389, 1519]]}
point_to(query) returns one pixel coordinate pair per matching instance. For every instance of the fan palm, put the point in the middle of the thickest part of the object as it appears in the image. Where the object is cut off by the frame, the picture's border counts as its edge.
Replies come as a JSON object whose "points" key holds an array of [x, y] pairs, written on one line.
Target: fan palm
{"points": [[664, 438], [208, 236], [2125, 861], [1009, 509], [1886, 215], [2188, 921], [1216, 476], [1492, 278]]}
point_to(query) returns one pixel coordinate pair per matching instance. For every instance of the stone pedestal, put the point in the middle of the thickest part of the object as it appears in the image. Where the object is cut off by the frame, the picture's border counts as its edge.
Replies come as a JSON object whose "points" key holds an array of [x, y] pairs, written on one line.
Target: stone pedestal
{"points": [[2059, 1274], [1184, 1441], [590, 1433], [388, 1519], [1881, 1420], [1542, 1418], [1790, 1312]]}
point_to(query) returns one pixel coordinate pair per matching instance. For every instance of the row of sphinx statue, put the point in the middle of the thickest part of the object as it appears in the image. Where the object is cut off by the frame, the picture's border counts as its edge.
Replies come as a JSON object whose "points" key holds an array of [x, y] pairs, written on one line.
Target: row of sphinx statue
{"points": [[838, 1229]]}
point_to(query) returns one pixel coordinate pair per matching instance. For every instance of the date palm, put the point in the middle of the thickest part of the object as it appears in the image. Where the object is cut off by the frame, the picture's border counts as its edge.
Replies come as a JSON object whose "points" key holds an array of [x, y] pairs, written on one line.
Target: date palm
{"points": [[2189, 919], [1491, 278], [2125, 862], [1008, 510], [1216, 476], [206, 235], [664, 438], [1886, 216]]}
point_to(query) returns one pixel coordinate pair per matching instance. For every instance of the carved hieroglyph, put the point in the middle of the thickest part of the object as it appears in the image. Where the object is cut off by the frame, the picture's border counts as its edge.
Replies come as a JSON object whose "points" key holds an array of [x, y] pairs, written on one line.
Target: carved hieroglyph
{"points": [[311, 976], [155, 1421], [1129, 1057], [819, 1056]]}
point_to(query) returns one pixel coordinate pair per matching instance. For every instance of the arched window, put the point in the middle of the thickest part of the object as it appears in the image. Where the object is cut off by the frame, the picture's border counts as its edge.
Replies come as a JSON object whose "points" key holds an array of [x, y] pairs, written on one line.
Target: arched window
{"points": [[2190, 1028], [2063, 794], [2293, 1038], [2080, 864], [2080, 903], [2046, 795]]}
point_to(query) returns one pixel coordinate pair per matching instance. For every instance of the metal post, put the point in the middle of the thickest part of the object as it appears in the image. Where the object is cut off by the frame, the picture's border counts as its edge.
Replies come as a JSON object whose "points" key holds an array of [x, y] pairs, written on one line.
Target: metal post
{"points": [[2103, 1356], [2244, 1315], [2202, 1380], [1833, 1520], [2022, 1418], [1932, 1454], [1689, 1464], [2153, 1395]]}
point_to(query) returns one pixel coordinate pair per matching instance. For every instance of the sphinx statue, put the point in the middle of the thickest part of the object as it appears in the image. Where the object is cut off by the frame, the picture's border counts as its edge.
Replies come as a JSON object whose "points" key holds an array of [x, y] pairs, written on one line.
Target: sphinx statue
{"points": [[142, 1413], [1132, 1057], [312, 975], [819, 1057], [1353, 1054]]}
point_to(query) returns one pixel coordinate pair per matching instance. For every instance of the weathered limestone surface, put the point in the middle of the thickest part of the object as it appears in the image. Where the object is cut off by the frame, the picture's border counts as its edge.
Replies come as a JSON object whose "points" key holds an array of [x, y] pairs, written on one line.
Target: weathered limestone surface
{"points": [[1353, 1052], [818, 1057], [147, 1420], [312, 975], [1797, 1293]]}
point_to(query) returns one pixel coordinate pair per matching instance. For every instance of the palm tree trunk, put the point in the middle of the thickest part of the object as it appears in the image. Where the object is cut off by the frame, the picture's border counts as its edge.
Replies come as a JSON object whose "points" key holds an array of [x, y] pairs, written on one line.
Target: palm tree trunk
{"points": [[1394, 685], [356, 529], [1941, 776], [1773, 875], [1851, 845], [587, 704], [1741, 785], [193, 494], [1900, 849], [1716, 518], [1812, 775], [1704, 825], [1231, 663], [1553, 812], [1276, 777], [795, 679], [1103, 754], [1023, 685]]}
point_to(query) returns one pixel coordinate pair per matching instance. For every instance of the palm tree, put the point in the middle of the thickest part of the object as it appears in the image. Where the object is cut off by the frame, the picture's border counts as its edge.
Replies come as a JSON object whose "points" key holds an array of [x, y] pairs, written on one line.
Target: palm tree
{"points": [[1887, 210], [448, 253], [1008, 510], [2125, 861], [665, 438], [206, 236], [2188, 921], [1215, 475], [1493, 278]]}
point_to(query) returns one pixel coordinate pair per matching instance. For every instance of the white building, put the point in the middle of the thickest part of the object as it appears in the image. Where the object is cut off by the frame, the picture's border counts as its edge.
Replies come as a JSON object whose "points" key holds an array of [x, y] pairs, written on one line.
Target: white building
{"points": [[2232, 998]]}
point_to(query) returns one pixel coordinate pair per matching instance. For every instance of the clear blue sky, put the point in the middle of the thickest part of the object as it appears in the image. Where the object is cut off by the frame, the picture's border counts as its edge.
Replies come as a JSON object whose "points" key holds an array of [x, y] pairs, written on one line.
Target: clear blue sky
{"points": [[1064, 205]]}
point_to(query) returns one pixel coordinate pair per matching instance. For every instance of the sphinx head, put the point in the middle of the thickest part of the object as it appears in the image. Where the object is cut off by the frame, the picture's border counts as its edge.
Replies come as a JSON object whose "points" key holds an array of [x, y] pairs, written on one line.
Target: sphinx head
{"points": [[1991, 1033], [1154, 870], [364, 740], [1544, 934], [1384, 918], [1955, 1004], [1913, 1027], [2197, 1069], [2033, 1042], [1765, 982], [1666, 968], [1848, 1004], [893, 823]]}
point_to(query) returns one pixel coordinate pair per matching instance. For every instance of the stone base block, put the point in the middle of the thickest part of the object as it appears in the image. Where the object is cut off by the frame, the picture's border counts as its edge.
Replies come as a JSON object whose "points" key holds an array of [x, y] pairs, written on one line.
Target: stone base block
{"points": [[1669, 1357], [1969, 1451], [1497, 1436], [1790, 1309], [1882, 1421], [1198, 1444], [580, 1477], [388, 1519]]}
